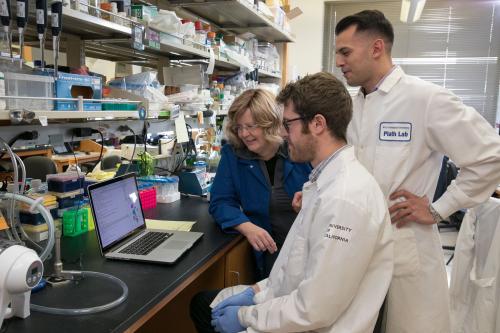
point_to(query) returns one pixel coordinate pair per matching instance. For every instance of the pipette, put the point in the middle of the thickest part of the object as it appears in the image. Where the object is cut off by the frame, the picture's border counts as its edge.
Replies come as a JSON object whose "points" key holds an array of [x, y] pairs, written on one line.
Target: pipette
{"points": [[56, 9], [41, 23], [5, 19], [21, 18]]}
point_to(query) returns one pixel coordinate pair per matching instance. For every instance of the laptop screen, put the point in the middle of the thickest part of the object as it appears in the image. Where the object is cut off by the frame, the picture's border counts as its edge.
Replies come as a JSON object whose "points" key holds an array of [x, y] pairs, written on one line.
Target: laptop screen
{"points": [[117, 209]]}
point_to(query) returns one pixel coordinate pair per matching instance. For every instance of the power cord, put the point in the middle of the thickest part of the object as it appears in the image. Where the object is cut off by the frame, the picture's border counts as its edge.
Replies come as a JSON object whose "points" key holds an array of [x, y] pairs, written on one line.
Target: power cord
{"points": [[27, 135]]}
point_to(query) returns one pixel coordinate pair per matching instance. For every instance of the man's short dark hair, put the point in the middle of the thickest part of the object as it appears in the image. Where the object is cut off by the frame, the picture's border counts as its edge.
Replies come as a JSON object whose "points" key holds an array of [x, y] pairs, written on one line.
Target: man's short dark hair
{"points": [[320, 93], [372, 21]]}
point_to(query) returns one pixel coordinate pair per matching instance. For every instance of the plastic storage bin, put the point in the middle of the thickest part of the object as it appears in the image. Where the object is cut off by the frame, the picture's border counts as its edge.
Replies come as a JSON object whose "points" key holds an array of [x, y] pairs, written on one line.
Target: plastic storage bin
{"points": [[148, 198], [66, 182], [36, 218], [75, 222], [167, 188], [70, 201], [17, 84]]}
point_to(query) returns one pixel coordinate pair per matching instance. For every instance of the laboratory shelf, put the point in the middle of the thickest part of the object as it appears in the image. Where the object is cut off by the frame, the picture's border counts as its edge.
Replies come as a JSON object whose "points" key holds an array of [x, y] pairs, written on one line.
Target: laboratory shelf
{"points": [[88, 26], [98, 115], [264, 73], [111, 41], [176, 50], [238, 16]]}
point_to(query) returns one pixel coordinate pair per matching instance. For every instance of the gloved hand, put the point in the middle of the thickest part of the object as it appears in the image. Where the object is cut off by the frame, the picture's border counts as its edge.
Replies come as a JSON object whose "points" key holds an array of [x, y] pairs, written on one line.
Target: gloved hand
{"points": [[226, 293], [227, 321], [243, 298]]}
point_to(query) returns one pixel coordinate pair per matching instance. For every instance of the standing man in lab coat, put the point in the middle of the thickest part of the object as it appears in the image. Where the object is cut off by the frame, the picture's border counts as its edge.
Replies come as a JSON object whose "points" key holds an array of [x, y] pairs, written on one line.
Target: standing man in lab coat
{"points": [[401, 128], [336, 264]]}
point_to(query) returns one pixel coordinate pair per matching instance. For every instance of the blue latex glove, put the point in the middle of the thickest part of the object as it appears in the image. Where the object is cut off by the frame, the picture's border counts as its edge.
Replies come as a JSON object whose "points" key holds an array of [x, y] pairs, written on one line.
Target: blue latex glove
{"points": [[244, 298], [228, 321]]}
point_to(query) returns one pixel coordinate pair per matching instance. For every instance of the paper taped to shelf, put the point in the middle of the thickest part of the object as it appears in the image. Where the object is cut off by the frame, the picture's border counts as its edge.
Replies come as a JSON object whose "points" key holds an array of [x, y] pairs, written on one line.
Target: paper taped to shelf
{"points": [[211, 63], [180, 129]]}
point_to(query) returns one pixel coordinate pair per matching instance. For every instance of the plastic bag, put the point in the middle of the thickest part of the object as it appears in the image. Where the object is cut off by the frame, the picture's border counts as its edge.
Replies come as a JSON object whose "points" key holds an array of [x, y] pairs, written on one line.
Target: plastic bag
{"points": [[166, 21]]}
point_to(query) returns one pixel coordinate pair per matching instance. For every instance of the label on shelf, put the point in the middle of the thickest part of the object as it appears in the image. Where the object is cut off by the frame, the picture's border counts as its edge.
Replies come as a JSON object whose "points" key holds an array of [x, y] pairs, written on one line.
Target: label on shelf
{"points": [[43, 120], [153, 38], [138, 37]]}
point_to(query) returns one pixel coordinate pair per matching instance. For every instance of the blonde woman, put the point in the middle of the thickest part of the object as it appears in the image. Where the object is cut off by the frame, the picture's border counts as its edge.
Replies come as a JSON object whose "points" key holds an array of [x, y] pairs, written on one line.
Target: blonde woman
{"points": [[256, 181]]}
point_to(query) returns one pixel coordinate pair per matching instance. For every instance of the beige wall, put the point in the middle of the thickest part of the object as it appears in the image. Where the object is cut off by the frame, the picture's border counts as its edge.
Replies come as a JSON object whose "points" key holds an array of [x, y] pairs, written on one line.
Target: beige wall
{"points": [[305, 55]]}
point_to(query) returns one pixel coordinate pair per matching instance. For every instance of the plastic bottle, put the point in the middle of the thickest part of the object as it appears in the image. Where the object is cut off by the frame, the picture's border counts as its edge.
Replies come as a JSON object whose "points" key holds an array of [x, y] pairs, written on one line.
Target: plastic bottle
{"points": [[201, 35], [220, 85], [213, 159], [211, 39], [214, 91]]}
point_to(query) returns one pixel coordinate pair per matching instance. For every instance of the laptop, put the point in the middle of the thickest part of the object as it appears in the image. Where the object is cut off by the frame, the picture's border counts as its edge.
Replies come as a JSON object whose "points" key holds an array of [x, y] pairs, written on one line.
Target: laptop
{"points": [[59, 146], [121, 227], [126, 168]]}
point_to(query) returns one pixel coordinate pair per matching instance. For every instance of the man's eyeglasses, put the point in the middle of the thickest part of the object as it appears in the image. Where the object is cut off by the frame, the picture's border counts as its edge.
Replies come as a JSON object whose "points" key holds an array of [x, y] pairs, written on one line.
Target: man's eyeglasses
{"points": [[286, 122], [249, 128]]}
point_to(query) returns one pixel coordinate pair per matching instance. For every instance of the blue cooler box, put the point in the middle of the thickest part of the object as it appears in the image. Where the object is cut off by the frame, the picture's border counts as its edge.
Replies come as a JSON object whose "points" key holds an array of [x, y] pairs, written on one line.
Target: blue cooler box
{"points": [[74, 85]]}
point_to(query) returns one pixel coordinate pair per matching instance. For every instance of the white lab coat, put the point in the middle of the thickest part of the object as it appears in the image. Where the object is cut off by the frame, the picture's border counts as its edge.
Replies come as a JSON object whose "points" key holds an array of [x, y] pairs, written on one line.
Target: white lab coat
{"points": [[400, 133], [336, 264], [475, 288]]}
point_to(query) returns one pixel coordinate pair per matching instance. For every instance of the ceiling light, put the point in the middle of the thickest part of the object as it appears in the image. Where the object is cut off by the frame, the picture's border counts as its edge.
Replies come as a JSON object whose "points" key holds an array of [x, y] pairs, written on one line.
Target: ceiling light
{"points": [[411, 10]]}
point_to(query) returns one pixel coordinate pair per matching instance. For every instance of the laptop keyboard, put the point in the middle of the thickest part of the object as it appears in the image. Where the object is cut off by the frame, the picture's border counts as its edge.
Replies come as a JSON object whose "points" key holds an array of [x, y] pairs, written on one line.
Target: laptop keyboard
{"points": [[146, 243]]}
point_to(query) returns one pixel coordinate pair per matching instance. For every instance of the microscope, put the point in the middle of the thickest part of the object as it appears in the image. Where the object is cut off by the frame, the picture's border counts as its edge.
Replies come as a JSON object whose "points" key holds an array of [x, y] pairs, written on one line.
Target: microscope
{"points": [[20, 271]]}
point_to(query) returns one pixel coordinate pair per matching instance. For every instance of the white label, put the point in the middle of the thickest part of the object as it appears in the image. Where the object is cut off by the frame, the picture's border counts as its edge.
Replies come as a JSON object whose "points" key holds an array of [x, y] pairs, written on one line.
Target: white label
{"points": [[39, 17], [55, 20], [180, 129], [20, 9], [4, 10], [43, 120], [395, 132]]}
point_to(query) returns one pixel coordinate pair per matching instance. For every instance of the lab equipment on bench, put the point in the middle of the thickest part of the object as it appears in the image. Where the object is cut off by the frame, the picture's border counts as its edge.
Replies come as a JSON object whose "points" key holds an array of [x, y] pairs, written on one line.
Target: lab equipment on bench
{"points": [[60, 274], [20, 271], [56, 12], [193, 182], [5, 19], [41, 24]]}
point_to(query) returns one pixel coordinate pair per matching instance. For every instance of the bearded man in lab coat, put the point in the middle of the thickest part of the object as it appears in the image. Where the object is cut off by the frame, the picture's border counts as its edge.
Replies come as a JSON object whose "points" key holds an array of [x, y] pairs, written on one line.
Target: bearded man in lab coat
{"points": [[401, 128], [336, 264]]}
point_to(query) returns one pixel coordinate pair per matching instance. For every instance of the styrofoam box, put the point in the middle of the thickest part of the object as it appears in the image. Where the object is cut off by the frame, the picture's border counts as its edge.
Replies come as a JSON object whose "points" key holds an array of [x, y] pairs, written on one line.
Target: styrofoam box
{"points": [[17, 84]]}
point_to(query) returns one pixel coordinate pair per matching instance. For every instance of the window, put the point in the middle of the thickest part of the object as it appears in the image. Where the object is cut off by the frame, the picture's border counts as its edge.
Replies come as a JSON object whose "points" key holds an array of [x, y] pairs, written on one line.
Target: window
{"points": [[455, 44]]}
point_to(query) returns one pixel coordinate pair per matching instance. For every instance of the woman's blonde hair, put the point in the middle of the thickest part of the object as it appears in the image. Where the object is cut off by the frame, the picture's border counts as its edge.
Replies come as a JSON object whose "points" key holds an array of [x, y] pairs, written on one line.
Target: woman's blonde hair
{"points": [[264, 109]]}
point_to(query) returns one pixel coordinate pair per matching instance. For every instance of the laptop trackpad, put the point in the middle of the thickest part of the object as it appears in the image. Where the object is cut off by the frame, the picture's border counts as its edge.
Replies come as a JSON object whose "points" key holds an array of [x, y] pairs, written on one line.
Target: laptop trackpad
{"points": [[175, 245]]}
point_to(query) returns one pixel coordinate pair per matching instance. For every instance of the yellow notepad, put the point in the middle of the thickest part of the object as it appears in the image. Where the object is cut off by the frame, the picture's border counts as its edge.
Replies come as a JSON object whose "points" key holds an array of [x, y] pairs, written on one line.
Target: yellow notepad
{"points": [[169, 225]]}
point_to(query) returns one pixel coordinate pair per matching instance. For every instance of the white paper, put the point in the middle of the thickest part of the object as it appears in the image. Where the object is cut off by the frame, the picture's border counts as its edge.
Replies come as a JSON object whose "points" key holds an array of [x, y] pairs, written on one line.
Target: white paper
{"points": [[180, 129], [43, 120], [211, 63]]}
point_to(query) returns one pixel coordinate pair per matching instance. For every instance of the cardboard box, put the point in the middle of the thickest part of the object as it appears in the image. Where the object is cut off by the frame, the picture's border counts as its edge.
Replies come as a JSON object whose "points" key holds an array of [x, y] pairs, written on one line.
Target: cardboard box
{"points": [[152, 39], [143, 12], [74, 85], [232, 39], [293, 13]]}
